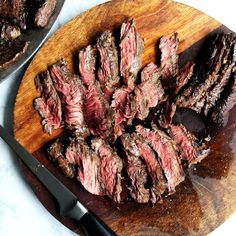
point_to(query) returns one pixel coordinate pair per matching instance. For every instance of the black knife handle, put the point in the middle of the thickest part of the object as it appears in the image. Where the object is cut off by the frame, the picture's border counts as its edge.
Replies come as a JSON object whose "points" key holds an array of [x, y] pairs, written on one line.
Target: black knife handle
{"points": [[93, 226]]}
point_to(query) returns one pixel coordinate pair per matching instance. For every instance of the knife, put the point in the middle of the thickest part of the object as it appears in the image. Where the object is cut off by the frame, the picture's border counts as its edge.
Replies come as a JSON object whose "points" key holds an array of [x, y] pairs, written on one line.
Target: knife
{"points": [[69, 204]]}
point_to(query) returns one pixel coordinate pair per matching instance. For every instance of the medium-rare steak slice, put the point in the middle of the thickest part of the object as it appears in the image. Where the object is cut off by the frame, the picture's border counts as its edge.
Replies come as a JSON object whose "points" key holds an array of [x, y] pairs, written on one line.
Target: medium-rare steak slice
{"points": [[111, 166], [124, 106], [158, 181], [169, 58], [44, 13], [49, 104], [131, 49], [150, 92], [108, 73], [190, 148], [136, 171], [57, 155], [97, 112], [220, 112], [166, 149], [70, 90], [88, 164], [87, 61]]}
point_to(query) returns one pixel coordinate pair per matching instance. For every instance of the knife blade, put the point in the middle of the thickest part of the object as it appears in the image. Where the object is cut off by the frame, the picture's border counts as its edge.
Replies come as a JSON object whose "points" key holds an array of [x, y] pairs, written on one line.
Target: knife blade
{"points": [[69, 204]]}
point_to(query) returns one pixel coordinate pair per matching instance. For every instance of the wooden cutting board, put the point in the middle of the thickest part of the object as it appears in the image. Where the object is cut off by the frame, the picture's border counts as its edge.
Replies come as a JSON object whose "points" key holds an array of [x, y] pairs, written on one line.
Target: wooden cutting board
{"points": [[208, 196]]}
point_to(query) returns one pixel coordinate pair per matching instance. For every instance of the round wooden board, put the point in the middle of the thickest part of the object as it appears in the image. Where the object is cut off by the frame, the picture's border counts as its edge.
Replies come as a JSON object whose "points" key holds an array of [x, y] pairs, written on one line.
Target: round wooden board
{"points": [[207, 197]]}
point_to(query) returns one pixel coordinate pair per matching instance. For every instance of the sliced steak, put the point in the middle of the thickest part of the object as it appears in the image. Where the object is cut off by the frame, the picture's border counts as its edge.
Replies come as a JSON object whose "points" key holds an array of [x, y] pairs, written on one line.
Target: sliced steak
{"points": [[87, 61], [184, 76], [111, 166], [190, 148], [158, 180], [124, 106], [49, 104], [16, 10], [56, 154], [167, 152], [70, 90], [136, 171], [169, 58], [88, 163], [131, 48], [150, 92], [108, 73], [219, 114], [44, 13], [11, 51]]}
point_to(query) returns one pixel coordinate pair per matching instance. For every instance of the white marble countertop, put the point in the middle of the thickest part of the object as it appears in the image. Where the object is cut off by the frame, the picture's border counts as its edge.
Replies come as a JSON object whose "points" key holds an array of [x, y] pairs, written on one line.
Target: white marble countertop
{"points": [[21, 213]]}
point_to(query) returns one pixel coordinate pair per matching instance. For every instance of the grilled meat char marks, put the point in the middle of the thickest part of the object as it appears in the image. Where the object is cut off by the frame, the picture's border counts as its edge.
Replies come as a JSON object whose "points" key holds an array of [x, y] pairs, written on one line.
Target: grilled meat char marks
{"points": [[108, 73], [190, 148], [71, 91], [213, 79], [49, 104], [131, 49], [57, 155], [150, 92], [97, 113], [136, 171], [88, 164], [111, 166], [166, 149]]}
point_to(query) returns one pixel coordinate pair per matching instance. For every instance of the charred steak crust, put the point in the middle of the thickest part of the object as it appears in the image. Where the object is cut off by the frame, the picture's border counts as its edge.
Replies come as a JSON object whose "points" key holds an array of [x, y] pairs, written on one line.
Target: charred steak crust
{"points": [[131, 50], [56, 154]]}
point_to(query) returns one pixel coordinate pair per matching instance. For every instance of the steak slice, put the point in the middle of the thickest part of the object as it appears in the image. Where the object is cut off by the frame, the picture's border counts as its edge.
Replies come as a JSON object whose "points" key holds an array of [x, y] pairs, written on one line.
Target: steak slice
{"points": [[111, 166], [70, 90], [11, 51], [190, 148], [16, 10], [136, 171], [166, 149], [158, 180], [131, 49], [9, 31], [56, 154], [184, 76], [108, 73], [87, 61], [124, 107], [44, 13], [169, 58], [219, 114], [49, 104], [150, 92], [88, 163]]}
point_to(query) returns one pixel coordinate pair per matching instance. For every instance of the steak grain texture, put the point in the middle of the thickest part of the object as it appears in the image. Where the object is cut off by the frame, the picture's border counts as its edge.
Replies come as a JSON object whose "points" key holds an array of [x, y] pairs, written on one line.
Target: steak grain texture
{"points": [[49, 104], [111, 166], [166, 149], [131, 50]]}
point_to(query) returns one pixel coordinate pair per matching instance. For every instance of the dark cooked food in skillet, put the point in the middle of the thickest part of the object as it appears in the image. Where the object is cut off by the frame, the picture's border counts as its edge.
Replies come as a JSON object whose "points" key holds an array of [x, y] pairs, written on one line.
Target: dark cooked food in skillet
{"points": [[123, 129], [16, 16]]}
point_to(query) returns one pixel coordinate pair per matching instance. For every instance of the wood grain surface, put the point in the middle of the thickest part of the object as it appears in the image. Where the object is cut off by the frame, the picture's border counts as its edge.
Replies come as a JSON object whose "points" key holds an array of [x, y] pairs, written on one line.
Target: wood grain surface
{"points": [[208, 196]]}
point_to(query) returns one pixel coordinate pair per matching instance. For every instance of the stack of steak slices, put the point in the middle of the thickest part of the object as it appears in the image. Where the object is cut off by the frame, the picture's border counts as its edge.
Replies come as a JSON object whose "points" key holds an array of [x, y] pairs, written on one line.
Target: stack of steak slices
{"points": [[112, 144]]}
